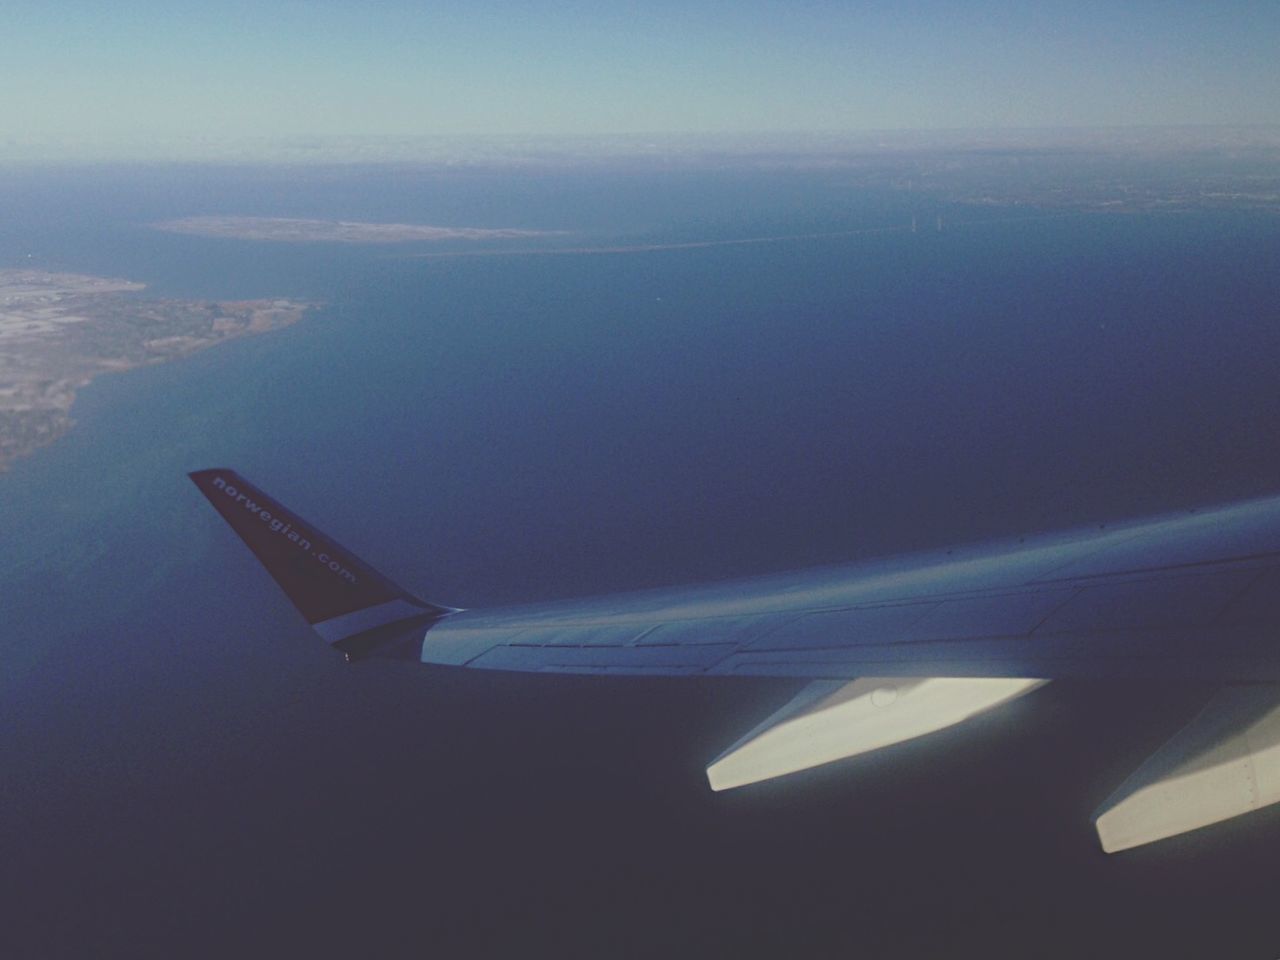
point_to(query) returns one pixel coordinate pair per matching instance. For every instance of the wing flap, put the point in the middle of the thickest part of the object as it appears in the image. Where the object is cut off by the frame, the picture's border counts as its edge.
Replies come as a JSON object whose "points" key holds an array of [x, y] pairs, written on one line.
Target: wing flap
{"points": [[1224, 763], [831, 720], [652, 660]]}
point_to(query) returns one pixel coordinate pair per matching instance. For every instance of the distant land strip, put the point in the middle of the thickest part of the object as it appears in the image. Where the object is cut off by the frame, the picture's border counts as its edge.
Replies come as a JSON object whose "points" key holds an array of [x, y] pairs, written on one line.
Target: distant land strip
{"points": [[60, 330], [648, 247], [924, 225], [292, 230]]}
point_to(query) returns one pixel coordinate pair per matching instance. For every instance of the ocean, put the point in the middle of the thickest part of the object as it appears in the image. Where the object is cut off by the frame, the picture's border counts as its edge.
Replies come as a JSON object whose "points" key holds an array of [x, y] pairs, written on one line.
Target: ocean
{"points": [[188, 771]]}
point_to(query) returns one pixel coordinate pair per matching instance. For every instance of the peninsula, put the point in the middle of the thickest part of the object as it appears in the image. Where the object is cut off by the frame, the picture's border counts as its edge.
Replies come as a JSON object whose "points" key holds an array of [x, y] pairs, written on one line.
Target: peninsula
{"points": [[60, 330], [289, 230]]}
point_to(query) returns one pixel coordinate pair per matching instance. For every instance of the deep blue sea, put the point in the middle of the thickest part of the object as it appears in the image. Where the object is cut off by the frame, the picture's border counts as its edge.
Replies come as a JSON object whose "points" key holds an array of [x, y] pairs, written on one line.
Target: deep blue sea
{"points": [[185, 770]]}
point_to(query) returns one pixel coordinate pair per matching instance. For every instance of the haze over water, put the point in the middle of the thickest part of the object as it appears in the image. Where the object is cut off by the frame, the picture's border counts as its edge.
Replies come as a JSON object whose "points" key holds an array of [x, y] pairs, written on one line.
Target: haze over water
{"points": [[188, 771]]}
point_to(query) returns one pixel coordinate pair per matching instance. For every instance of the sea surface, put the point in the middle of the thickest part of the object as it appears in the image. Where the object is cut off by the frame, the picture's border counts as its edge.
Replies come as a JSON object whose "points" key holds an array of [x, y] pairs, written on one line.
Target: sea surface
{"points": [[185, 770]]}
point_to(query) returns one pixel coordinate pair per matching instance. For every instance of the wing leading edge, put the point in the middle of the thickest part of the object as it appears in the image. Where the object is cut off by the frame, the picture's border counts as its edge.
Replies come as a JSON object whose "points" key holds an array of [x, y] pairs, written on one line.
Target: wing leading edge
{"points": [[938, 636], [1195, 596]]}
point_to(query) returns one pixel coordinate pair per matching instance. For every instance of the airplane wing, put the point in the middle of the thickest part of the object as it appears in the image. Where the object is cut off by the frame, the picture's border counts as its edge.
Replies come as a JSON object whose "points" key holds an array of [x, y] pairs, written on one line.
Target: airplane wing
{"points": [[893, 649]]}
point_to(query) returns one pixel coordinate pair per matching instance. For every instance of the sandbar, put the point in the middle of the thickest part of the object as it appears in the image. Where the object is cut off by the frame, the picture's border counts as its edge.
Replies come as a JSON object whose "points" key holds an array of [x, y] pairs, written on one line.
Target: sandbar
{"points": [[291, 230]]}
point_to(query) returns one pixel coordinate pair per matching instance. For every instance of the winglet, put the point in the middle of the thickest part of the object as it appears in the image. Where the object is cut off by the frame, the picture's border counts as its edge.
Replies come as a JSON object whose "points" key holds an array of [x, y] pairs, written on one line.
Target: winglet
{"points": [[350, 604]]}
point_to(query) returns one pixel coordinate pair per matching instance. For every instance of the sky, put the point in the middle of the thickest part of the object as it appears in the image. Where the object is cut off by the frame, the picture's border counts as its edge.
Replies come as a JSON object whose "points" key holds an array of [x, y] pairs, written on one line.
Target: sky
{"points": [[84, 72]]}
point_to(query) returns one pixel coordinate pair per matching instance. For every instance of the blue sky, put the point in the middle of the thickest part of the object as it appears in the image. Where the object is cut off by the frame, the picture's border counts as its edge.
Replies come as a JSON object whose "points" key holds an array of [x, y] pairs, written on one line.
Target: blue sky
{"points": [[142, 69]]}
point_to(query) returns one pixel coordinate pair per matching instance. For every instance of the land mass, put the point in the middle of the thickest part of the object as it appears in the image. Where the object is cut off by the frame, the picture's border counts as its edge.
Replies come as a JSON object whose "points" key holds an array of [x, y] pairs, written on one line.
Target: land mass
{"points": [[60, 330], [289, 230]]}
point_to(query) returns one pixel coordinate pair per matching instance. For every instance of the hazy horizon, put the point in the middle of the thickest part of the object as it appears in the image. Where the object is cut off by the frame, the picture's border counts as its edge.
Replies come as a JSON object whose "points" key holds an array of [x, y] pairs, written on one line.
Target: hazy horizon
{"points": [[180, 70], [499, 149]]}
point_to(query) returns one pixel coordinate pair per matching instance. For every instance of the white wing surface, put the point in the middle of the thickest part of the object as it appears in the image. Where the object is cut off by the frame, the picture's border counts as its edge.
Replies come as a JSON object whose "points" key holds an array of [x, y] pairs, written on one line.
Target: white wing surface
{"points": [[895, 649], [1193, 596]]}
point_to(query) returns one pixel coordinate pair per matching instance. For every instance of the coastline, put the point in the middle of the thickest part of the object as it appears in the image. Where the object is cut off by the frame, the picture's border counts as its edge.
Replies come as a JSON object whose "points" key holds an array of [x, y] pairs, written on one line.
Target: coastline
{"points": [[58, 331]]}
